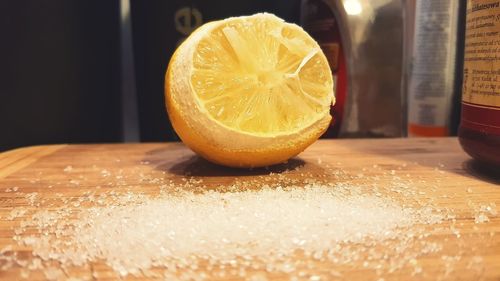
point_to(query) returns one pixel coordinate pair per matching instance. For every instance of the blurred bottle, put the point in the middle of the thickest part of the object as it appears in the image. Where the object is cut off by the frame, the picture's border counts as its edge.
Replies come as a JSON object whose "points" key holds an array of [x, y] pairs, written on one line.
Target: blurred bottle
{"points": [[363, 40], [479, 131], [434, 58], [59, 72], [159, 26], [319, 20]]}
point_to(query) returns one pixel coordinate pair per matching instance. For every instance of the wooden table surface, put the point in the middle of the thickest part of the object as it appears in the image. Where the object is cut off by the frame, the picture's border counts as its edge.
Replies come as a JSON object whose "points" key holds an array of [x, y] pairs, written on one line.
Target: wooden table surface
{"points": [[438, 168]]}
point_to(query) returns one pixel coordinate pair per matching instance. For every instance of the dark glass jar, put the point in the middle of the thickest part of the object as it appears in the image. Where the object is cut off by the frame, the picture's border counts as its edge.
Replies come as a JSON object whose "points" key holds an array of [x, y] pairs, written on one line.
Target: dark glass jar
{"points": [[479, 132]]}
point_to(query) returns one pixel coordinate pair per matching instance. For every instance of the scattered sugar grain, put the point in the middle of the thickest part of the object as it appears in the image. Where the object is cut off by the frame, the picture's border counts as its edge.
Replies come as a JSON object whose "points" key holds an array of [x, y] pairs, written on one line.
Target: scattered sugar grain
{"points": [[315, 278], [15, 213], [490, 208], [481, 218], [482, 213], [31, 197]]}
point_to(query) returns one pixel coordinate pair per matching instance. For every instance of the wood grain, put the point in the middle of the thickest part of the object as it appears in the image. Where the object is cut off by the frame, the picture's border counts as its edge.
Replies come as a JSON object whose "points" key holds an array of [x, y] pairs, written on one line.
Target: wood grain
{"points": [[437, 167]]}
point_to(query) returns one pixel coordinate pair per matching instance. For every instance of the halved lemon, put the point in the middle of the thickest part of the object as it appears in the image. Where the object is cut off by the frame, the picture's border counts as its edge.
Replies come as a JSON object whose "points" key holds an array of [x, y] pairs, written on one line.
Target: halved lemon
{"points": [[249, 91]]}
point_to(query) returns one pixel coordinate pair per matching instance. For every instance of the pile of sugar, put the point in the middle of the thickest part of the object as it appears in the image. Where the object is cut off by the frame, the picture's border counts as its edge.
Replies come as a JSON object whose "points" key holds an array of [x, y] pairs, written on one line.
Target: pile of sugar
{"points": [[250, 229]]}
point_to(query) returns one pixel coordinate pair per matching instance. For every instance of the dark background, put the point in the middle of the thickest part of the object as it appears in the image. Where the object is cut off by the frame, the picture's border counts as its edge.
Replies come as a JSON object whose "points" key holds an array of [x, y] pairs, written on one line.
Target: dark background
{"points": [[59, 72]]}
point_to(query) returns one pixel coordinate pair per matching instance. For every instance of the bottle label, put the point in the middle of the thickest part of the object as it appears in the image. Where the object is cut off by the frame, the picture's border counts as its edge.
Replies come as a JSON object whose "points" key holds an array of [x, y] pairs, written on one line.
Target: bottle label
{"points": [[481, 85]]}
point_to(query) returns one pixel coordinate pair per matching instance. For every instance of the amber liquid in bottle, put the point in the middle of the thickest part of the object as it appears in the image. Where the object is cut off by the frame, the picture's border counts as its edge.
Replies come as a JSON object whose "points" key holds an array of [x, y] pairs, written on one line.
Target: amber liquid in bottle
{"points": [[479, 131], [319, 20]]}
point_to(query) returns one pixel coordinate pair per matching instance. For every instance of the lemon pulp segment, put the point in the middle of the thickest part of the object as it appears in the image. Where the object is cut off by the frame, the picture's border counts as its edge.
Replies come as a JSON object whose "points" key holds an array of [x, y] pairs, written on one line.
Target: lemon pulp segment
{"points": [[261, 77]]}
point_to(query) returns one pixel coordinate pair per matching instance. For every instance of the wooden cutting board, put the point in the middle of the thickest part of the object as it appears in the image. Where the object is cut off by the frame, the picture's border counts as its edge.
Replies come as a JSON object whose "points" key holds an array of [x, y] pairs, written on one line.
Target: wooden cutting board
{"points": [[437, 167]]}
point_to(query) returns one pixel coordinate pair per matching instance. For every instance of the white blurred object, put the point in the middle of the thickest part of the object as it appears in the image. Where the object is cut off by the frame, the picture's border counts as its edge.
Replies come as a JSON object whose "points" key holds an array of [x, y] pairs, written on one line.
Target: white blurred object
{"points": [[431, 66]]}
